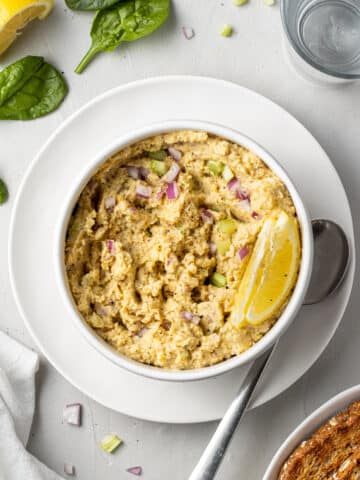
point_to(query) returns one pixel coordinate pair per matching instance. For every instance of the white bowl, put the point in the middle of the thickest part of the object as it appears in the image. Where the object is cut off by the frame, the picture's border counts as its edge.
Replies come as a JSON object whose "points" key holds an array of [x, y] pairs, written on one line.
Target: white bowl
{"points": [[267, 340], [309, 426]]}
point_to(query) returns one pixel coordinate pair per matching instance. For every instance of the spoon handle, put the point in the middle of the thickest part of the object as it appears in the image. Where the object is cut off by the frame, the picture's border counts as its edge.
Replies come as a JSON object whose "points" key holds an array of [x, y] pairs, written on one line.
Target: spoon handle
{"points": [[212, 457]]}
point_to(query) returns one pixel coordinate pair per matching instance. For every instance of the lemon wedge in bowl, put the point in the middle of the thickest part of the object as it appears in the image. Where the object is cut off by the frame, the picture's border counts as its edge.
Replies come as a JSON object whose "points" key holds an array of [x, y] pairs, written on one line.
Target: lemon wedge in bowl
{"points": [[271, 272], [16, 14]]}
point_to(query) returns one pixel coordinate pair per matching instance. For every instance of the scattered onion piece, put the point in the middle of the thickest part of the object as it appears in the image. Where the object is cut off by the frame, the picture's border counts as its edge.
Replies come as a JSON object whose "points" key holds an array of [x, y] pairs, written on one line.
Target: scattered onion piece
{"points": [[256, 215], [143, 173], [245, 205], [110, 245], [72, 414], [69, 469], [243, 252], [188, 32], [213, 248], [142, 332], [172, 173], [161, 192], [235, 186], [143, 191], [132, 171], [135, 470], [172, 191], [110, 203], [190, 317], [175, 154], [206, 215], [110, 443]]}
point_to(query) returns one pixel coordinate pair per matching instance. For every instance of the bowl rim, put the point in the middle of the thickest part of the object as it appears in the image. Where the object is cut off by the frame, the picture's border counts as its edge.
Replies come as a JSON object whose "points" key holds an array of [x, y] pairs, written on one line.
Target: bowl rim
{"points": [[308, 426], [224, 366]]}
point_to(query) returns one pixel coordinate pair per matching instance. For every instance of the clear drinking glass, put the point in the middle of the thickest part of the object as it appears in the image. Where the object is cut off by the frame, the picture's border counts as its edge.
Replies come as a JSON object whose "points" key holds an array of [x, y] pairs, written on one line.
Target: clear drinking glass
{"points": [[324, 37]]}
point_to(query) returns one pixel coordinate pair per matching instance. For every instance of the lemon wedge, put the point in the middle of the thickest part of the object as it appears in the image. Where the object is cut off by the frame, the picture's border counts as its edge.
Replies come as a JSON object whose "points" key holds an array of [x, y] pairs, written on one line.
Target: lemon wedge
{"points": [[16, 14], [271, 272]]}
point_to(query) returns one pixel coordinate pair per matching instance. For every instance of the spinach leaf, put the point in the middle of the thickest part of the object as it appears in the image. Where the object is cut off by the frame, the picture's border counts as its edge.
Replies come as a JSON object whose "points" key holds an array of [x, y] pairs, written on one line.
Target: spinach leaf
{"points": [[124, 22], [90, 4], [30, 88], [3, 192]]}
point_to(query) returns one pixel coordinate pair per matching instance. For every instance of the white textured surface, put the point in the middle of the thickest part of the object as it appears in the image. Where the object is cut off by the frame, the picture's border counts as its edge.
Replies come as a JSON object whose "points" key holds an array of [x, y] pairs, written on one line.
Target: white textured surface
{"points": [[254, 58]]}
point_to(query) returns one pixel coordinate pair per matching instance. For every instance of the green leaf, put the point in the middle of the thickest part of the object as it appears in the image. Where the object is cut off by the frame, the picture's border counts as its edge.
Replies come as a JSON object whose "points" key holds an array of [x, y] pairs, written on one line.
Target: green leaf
{"points": [[3, 192], [30, 88], [90, 4], [124, 22]]}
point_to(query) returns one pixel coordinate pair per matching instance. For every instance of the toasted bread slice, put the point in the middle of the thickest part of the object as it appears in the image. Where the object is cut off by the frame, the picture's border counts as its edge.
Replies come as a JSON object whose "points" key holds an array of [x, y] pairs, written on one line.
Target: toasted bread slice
{"points": [[333, 451]]}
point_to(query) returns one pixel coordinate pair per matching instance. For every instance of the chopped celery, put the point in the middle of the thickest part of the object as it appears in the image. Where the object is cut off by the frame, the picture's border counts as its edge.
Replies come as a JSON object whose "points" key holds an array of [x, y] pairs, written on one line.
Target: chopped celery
{"points": [[215, 167], [269, 3], [218, 280], [226, 31], [227, 174], [227, 226], [238, 3], [110, 443], [159, 168], [223, 246], [160, 155]]}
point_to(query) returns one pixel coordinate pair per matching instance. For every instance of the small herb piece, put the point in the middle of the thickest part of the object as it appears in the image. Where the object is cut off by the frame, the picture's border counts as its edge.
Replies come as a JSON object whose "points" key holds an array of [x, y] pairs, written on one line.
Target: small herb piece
{"points": [[110, 443], [126, 21], [228, 226], [90, 4], [269, 3], [226, 30], [218, 280], [4, 194], [227, 174], [239, 3], [159, 155], [159, 168], [30, 88], [215, 167], [223, 246]]}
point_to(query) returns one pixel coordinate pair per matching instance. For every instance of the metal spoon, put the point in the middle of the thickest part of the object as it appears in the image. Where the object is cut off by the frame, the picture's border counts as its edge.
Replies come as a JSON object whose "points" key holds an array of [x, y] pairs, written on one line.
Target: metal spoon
{"points": [[331, 258]]}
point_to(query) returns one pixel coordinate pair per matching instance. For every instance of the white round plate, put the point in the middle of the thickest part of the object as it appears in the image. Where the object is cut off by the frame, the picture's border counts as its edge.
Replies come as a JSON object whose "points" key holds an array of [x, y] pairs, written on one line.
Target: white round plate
{"points": [[40, 201], [308, 426]]}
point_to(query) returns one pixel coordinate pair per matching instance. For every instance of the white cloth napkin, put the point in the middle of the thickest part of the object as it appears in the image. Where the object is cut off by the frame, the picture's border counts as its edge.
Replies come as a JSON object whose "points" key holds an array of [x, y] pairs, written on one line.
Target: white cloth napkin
{"points": [[18, 366]]}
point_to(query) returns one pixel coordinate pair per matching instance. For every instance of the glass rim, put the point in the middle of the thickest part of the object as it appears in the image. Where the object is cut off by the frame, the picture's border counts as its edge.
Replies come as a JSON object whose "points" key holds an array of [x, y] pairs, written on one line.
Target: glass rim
{"points": [[309, 61]]}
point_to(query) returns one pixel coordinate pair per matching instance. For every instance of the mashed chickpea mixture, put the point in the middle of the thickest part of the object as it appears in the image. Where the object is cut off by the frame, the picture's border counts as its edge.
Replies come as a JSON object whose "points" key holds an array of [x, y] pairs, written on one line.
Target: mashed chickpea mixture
{"points": [[150, 230]]}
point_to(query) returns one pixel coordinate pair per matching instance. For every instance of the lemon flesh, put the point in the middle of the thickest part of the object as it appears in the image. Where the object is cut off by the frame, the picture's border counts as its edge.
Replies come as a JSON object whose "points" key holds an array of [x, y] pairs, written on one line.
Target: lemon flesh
{"points": [[271, 272], [16, 14]]}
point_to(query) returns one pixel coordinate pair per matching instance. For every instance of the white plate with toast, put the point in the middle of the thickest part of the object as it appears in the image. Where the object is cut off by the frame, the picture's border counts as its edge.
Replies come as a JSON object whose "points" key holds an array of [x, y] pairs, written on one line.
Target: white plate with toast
{"points": [[309, 426]]}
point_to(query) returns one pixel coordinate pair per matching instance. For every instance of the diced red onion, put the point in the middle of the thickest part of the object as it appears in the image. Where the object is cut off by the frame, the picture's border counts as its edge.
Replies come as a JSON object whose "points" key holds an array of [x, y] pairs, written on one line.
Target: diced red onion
{"points": [[143, 191], [161, 192], [188, 32], [143, 173], [213, 248], [100, 310], [256, 215], [142, 332], [176, 154], [243, 252], [110, 245], [172, 173], [206, 215], [69, 469], [72, 414], [190, 317], [110, 203], [172, 191], [135, 470], [235, 186], [245, 205], [132, 171]]}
